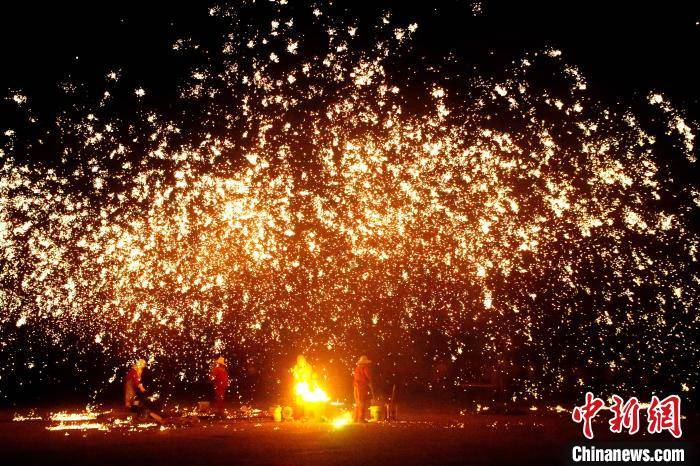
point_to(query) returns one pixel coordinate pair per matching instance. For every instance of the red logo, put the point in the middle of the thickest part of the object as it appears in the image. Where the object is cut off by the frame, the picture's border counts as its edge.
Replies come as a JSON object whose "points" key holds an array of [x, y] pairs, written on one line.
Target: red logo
{"points": [[625, 415], [665, 415], [587, 412], [661, 415]]}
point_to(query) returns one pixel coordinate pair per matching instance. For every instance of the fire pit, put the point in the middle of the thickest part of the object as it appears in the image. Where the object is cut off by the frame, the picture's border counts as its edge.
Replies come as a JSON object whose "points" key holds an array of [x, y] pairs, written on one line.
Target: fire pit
{"points": [[312, 402]]}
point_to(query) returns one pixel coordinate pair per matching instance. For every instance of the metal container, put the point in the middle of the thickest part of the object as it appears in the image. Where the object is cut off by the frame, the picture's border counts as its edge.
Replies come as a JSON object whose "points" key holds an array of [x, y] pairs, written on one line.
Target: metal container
{"points": [[276, 412], [376, 413]]}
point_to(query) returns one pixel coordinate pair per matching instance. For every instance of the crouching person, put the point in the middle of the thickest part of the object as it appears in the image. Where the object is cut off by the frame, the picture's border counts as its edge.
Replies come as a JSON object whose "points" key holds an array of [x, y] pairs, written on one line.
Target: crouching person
{"points": [[135, 399]]}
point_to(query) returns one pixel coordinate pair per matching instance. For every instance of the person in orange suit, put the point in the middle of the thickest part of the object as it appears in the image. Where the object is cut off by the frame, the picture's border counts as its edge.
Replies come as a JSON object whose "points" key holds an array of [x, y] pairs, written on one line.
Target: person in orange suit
{"points": [[363, 388], [219, 380]]}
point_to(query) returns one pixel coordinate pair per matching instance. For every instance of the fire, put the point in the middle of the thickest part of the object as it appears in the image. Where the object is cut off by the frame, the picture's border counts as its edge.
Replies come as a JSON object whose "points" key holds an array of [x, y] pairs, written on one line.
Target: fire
{"points": [[310, 396], [306, 387], [310, 393]]}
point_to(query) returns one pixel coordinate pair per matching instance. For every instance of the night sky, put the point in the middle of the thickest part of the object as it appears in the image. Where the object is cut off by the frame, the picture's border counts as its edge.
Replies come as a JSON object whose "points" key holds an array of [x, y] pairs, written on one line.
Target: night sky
{"points": [[625, 48]]}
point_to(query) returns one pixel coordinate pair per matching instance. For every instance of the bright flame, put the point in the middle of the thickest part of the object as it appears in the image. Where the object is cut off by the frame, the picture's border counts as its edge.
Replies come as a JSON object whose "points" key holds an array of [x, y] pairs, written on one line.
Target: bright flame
{"points": [[310, 393], [306, 387]]}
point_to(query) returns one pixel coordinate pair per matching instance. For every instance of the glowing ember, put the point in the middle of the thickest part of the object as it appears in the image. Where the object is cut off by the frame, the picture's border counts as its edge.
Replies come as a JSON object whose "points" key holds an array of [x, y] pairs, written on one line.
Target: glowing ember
{"points": [[88, 420], [31, 416], [79, 426], [342, 420], [73, 417]]}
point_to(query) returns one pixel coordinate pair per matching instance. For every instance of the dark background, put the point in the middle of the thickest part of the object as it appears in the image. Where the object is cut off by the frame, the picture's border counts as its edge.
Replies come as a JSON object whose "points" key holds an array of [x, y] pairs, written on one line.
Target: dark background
{"points": [[624, 47]]}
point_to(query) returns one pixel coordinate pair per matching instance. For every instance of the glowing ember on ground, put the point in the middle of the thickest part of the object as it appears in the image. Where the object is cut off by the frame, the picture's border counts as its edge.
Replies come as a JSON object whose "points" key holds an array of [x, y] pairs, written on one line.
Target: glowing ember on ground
{"points": [[79, 426], [342, 420], [31, 416], [87, 420], [72, 417], [82, 420]]}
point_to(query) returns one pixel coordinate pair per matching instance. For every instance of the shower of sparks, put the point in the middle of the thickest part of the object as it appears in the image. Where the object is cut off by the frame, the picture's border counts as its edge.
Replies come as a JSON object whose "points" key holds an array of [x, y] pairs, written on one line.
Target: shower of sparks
{"points": [[332, 200]]}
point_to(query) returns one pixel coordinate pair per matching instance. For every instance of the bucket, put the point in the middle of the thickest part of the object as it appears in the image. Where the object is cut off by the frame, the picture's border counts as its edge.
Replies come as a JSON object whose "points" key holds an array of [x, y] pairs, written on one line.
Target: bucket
{"points": [[287, 413], [277, 413], [375, 413], [203, 406]]}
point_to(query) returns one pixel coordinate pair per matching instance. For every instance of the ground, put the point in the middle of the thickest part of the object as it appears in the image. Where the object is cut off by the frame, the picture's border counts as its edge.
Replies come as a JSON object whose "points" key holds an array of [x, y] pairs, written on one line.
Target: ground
{"points": [[436, 436]]}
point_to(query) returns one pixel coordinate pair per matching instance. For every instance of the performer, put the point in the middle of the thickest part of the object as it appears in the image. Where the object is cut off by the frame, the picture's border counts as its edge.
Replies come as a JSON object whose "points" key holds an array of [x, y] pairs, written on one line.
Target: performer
{"points": [[363, 388], [135, 399], [219, 380]]}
